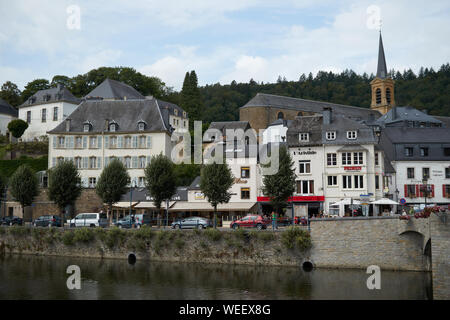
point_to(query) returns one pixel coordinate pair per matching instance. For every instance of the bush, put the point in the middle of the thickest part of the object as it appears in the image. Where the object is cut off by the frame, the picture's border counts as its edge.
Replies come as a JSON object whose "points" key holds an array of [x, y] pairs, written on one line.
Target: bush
{"points": [[8, 167], [18, 231], [145, 232], [68, 238], [263, 236], [179, 243], [241, 234], [213, 234], [113, 237], [83, 235], [296, 237]]}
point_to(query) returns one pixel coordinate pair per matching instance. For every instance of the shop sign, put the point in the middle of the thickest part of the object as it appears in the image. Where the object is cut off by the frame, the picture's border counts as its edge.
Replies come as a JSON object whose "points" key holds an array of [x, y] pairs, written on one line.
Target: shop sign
{"points": [[199, 196], [239, 180], [353, 168], [306, 153]]}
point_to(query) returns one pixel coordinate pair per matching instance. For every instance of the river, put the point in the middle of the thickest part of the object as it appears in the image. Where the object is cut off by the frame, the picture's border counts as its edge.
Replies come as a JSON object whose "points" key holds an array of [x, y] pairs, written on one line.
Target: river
{"points": [[37, 277]]}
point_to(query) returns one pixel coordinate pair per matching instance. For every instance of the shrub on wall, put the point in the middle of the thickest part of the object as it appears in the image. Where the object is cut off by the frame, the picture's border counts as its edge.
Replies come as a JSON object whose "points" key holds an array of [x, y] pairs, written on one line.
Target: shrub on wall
{"points": [[296, 237], [8, 167]]}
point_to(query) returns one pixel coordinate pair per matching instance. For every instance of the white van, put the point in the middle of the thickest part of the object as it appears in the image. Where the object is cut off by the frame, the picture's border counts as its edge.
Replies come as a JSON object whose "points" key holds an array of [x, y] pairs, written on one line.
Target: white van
{"points": [[89, 220]]}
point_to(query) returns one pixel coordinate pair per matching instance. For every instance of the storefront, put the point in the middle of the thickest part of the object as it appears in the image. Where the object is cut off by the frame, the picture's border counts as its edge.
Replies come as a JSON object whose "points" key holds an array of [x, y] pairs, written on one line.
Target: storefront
{"points": [[302, 205]]}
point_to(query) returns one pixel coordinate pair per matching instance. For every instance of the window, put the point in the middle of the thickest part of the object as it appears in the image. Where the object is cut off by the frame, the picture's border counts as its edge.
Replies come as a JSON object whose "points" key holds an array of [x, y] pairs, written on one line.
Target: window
{"points": [[61, 142], [446, 190], [28, 116], [447, 173], [377, 182], [93, 142], [424, 152], [55, 114], [280, 115], [92, 162], [378, 96], [346, 158], [128, 162], [305, 166], [351, 135], [346, 182], [331, 135], [245, 193], [305, 186], [332, 181], [59, 160], [409, 151], [141, 182], [141, 126], [410, 173], [86, 127], [44, 115], [303, 136], [78, 162], [245, 172], [331, 159], [142, 142], [388, 95], [78, 142], [142, 162], [92, 182], [127, 142], [359, 182], [425, 173], [377, 159], [358, 158], [446, 151], [113, 142], [410, 191]]}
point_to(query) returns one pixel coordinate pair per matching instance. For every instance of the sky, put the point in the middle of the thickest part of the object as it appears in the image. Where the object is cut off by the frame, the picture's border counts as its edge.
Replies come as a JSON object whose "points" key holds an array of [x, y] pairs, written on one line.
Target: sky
{"points": [[221, 40]]}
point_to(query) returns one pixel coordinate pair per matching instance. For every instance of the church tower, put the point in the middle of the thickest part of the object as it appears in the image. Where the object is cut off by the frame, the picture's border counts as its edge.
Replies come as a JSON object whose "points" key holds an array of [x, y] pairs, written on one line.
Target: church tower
{"points": [[382, 86]]}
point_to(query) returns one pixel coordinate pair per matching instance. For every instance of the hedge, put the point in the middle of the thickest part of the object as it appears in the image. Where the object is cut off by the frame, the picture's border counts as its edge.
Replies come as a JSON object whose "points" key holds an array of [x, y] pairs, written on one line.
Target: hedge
{"points": [[7, 167]]}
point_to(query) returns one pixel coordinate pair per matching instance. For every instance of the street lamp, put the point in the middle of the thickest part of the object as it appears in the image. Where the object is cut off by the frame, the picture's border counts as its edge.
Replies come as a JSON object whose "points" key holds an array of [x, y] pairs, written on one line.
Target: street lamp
{"points": [[396, 198], [425, 189], [131, 197]]}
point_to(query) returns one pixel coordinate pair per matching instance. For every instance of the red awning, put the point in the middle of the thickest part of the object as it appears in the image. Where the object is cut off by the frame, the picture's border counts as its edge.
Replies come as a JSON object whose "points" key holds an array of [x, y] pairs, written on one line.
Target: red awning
{"points": [[296, 199]]}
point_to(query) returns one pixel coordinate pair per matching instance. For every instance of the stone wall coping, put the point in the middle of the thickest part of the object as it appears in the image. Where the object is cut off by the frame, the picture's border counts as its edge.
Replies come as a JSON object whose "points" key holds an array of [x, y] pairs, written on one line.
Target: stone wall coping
{"points": [[352, 218]]}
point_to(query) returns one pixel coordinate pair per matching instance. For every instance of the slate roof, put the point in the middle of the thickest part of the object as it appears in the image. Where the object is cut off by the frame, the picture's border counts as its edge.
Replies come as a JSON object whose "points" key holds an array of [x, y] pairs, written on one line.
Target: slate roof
{"points": [[417, 135], [195, 185], [112, 89], [445, 120], [283, 102], [56, 94], [6, 108], [381, 67], [407, 113], [317, 131], [280, 122], [171, 107], [97, 111]]}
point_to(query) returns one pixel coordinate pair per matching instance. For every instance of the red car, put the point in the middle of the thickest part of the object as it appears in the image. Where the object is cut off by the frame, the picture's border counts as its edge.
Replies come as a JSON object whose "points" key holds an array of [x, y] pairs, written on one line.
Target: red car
{"points": [[250, 221]]}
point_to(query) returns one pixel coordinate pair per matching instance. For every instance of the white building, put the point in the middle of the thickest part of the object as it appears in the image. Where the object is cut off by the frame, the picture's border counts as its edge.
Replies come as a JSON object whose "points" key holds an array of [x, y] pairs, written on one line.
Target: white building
{"points": [[7, 113], [44, 110], [276, 131], [98, 131]]}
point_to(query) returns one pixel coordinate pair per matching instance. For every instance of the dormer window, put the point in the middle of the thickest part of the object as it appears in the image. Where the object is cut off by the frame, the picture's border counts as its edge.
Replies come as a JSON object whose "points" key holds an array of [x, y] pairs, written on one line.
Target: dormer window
{"points": [[351, 135], [303, 136], [141, 125], [87, 126], [331, 135], [175, 112], [184, 114], [113, 126]]}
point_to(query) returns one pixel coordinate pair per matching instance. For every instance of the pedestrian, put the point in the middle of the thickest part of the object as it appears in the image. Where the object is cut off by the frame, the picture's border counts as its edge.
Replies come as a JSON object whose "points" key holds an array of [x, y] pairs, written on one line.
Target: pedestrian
{"points": [[274, 220], [403, 212]]}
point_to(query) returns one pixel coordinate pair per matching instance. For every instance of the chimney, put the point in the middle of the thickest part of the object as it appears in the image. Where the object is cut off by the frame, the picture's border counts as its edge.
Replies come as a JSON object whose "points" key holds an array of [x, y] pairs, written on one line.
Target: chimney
{"points": [[106, 124], [327, 115], [371, 117], [394, 113], [68, 120]]}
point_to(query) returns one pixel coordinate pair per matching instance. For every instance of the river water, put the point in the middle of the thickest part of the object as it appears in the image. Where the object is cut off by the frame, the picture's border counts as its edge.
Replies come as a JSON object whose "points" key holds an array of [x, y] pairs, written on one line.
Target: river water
{"points": [[35, 277]]}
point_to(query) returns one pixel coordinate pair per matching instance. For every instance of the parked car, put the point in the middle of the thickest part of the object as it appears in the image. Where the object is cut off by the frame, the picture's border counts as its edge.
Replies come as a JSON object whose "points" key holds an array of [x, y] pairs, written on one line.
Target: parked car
{"points": [[89, 220], [48, 221], [126, 222], [251, 221], [142, 219], [10, 221], [192, 223]]}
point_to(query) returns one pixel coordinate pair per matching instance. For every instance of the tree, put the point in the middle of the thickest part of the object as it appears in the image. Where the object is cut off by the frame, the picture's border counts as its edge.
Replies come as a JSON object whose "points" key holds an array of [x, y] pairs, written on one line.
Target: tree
{"points": [[17, 127], [11, 93], [3, 184], [64, 185], [64, 80], [281, 185], [215, 181], [112, 184], [23, 186], [160, 180], [33, 87], [190, 97], [186, 173]]}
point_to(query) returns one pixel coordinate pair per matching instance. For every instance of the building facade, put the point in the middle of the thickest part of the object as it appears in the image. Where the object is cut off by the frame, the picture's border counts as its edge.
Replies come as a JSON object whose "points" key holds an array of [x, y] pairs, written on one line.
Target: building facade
{"points": [[7, 113]]}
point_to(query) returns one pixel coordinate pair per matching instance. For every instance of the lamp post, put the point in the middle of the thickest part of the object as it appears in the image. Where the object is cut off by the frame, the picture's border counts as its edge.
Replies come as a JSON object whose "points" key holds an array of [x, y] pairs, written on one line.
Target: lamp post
{"points": [[397, 199], [425, 189], [131, 199]]}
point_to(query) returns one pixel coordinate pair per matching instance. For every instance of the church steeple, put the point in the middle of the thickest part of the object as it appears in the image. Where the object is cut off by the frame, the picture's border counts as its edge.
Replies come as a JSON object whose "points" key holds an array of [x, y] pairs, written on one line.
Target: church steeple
{"points": [[382, 86]]}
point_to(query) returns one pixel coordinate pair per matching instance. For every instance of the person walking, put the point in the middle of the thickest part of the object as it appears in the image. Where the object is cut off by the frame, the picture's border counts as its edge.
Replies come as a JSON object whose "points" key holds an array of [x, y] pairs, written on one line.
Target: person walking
{"points": [[274, 220]]}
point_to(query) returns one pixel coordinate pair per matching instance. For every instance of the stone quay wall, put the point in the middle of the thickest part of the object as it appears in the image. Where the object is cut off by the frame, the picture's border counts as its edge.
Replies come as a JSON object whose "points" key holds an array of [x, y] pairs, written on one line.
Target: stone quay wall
{"points": [[440, 250]]}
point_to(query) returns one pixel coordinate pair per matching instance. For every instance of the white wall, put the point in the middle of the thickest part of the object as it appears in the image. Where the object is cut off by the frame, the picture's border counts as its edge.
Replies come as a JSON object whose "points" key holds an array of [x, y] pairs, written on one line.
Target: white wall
{"points": [[4, 120]]}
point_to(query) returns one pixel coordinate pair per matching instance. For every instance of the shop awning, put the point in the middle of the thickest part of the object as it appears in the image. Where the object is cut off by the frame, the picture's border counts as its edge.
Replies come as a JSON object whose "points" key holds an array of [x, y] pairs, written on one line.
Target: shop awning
{"points": [[150, 205], [384, 201], [206, 206], [124, 204]]}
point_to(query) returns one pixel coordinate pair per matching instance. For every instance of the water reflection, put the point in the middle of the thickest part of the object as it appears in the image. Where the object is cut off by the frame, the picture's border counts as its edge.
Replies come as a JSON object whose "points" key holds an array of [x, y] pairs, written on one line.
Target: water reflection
{"points": [[31, 277]]}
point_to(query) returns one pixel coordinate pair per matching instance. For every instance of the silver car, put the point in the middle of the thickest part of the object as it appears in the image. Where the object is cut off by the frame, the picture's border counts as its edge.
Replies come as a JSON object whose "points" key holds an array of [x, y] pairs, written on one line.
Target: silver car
{"points": [[192, 223]]}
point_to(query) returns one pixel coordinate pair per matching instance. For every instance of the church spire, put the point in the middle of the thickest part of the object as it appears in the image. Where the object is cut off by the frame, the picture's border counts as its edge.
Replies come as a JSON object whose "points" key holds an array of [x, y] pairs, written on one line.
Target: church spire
{"points": [[381, 69]]}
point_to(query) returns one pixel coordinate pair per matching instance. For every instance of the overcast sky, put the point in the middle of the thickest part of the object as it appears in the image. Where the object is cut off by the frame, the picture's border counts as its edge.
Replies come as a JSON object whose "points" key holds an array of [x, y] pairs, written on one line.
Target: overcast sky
{"points": [[221, 40]]}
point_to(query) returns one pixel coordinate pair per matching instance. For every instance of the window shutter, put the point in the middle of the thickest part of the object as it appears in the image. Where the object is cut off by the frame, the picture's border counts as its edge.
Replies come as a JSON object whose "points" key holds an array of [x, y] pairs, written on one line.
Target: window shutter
{"points": [[149, 158], [84, 182], [417, 190], [54, 141], [135, 139], [106, 142], [67, 142], [432, 190], [149, 142], [99, 162], [311, 186], [443, 191], [106, 160], [99, 142], [71, 142], [85, 163], [84, 142], [120, 142], [406, 191]]}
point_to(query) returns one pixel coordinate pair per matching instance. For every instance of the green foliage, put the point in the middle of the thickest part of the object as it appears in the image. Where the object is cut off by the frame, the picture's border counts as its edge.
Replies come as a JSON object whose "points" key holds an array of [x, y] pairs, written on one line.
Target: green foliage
{"points": [[240, 234], [114, 236], [33, 87], [19, 231], [186, 173], [68, 238], [17, 127], [190, 97], [30, 147], [145, 233], [160, 179], [3, 183], [23, 185], [84, 235], [179, 243], [265, 236], [112, 183], [296, 237], [281, 185], [8, 167], [213, 234], [64, 184], [11, 93], [215, 181]]}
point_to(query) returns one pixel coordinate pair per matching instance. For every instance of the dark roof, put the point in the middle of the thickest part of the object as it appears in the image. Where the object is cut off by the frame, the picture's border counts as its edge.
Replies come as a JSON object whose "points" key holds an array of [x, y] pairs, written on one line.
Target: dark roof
{"points": [[445, 120], [112, 89], [417, 135], [311, 125], [280, 122], [381, 68], [56, 94], [142, 194], [6, 108], [224, 125], [98, 111], [195, 185], [399, 114], [282, 102], [171, 107]]}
